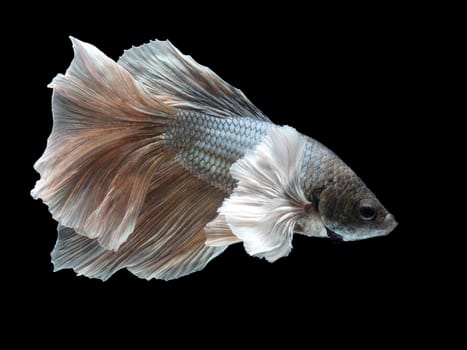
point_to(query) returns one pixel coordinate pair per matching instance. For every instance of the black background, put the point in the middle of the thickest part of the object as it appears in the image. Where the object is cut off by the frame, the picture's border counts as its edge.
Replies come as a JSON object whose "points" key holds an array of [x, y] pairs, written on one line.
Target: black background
{"points": [[352, 80]]}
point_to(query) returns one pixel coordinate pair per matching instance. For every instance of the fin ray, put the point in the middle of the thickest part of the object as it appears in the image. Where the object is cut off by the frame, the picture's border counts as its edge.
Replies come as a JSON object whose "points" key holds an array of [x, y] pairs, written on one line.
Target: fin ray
{"points": [[165, 243], [103, 150], [180, 81], [218, 233]]}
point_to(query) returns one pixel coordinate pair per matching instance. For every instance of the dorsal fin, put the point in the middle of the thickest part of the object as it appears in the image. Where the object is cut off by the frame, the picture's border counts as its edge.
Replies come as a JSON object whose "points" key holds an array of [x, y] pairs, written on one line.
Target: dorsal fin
{"points": [[180, 81]]}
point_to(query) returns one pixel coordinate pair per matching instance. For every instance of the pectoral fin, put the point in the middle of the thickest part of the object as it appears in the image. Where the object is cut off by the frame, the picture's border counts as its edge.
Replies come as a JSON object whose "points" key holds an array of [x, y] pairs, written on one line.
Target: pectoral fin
{"points": [[269, 201]]}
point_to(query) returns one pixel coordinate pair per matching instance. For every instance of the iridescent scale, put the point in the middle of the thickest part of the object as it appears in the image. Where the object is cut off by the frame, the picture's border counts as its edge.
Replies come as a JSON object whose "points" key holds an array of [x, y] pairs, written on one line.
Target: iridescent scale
{"points": [[208, 145]]}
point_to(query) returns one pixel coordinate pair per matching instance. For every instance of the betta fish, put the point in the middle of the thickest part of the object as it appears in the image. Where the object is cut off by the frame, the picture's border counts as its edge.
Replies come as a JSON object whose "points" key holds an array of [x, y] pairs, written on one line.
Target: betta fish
{"points": [[157, 165]]}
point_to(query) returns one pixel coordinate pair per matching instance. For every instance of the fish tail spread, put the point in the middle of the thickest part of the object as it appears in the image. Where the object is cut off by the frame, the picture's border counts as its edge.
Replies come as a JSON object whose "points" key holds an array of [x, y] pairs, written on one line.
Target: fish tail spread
{"points": [[121, 198]]}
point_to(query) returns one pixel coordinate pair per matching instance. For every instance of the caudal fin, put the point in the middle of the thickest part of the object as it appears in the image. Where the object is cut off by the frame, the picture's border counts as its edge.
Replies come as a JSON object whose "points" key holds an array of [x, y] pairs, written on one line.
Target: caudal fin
{"points": [[108, 178]]}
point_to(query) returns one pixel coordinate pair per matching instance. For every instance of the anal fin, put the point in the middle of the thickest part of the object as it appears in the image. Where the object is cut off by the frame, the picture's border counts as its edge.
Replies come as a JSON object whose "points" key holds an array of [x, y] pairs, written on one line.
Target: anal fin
{"points": [[218, 233], [168, 241]]}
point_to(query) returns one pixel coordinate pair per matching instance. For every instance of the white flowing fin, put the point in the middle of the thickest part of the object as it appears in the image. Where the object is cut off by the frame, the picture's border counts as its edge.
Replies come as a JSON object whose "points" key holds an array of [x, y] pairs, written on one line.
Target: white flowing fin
{"points": [[104, 148], [180, 81], [269, 200], [74, 251], [311, 228], [218, 233], [168, 241]]}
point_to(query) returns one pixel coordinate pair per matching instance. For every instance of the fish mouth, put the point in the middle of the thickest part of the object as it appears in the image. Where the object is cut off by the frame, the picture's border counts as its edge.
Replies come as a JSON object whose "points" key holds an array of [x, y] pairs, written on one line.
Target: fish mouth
{"points": [[335, 237], [389, 224]]}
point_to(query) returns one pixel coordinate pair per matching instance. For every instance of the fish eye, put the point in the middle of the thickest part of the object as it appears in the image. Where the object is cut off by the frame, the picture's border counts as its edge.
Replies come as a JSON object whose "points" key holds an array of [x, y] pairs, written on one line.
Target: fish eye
{"points": [[367, 212]]}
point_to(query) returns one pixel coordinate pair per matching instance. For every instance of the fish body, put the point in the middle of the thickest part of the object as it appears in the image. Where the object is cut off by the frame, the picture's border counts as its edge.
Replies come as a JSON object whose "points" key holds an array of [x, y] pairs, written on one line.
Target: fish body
{"points": [[157, 165], [208, 145]]}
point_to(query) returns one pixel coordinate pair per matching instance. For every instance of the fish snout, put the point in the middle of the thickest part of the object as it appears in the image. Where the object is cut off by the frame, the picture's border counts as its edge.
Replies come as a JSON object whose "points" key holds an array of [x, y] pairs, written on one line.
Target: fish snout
{"points": [[390, 223]]}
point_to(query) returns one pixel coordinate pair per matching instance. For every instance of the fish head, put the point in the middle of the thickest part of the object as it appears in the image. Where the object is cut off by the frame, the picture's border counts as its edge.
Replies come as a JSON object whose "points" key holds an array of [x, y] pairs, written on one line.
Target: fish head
{"points": [[352, 212]]}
